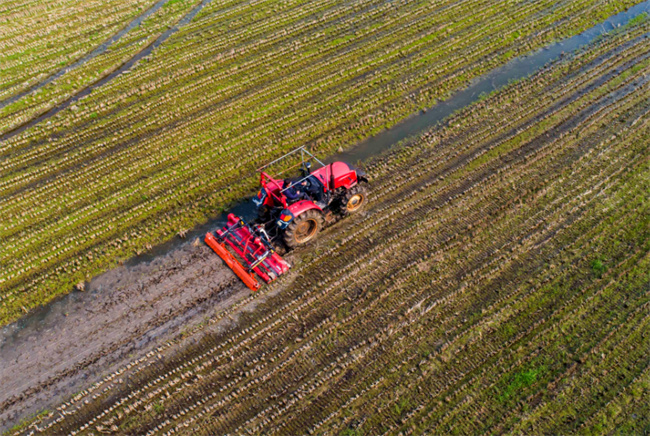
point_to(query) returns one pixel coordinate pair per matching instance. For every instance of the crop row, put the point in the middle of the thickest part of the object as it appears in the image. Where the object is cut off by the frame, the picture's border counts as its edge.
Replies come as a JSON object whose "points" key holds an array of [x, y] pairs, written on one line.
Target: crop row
{"points": [[120, 180], [91, 70], [490, 284], [58, 35]]}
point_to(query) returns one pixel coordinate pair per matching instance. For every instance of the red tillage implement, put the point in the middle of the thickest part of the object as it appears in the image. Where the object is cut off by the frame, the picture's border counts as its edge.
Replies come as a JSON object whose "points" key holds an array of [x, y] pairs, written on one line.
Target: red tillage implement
{"points": [[253, 246]]}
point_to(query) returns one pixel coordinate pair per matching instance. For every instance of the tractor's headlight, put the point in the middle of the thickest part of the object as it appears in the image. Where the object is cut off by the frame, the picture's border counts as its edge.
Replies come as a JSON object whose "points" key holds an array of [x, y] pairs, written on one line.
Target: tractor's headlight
{"points": [[285, 218]]}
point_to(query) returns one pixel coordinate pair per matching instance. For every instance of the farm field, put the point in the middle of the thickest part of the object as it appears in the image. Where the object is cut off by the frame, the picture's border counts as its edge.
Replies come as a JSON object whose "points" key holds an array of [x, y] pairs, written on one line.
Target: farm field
{"points": [[158, 149], [498, 282], [72, 50], [29, 57]]}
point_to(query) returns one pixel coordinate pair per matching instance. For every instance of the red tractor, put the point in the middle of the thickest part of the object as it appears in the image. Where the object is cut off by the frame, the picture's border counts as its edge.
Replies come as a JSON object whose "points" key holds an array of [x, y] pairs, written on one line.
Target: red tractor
{"points": [[291, 212]]}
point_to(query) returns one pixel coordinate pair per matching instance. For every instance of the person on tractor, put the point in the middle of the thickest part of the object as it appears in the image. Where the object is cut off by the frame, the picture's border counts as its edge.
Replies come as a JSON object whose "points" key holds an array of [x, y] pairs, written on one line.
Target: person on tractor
{"points": [[291, 192], [313, 189]]}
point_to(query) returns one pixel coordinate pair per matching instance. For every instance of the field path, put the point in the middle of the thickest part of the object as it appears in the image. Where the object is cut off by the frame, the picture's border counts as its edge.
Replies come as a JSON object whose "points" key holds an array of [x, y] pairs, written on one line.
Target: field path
{"points": [[125, 313]]}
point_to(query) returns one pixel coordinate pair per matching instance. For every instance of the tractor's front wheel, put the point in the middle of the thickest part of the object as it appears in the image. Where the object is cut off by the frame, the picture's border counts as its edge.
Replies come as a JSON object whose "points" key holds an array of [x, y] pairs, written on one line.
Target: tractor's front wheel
{"points": [[303, 228], [354, 200]]}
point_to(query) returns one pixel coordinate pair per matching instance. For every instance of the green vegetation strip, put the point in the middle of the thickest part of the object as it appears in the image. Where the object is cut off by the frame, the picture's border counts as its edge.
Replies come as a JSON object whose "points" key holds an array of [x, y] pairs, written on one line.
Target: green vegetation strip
{"points": [[60, 32], [35, 103]]}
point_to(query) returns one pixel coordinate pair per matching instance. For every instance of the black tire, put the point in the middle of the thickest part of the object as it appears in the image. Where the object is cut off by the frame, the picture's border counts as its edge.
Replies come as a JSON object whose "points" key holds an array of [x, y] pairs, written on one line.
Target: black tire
{"points": [[354, 200], [303, 229]]}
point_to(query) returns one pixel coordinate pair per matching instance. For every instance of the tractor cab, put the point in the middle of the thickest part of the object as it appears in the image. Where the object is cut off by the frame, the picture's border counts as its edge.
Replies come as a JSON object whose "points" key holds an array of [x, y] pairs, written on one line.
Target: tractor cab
{"points": [[317, 186]]}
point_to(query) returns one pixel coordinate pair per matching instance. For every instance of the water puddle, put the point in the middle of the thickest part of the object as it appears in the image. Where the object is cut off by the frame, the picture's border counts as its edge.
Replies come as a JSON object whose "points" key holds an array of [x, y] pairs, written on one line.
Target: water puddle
{"points": [[516, 69]]}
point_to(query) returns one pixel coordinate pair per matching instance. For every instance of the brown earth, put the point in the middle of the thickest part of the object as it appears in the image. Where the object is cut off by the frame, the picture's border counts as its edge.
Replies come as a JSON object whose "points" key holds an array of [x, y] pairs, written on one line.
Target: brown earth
{"points": [[123, 314]]}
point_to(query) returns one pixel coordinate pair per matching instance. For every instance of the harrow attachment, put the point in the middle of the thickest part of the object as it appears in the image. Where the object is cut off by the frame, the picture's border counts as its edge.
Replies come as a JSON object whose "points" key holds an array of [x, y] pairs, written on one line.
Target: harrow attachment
{"points": [[252, 246]]}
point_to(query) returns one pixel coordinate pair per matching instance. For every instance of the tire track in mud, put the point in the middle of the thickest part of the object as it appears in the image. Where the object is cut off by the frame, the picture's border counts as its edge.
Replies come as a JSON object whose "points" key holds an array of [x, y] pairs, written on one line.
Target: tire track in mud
{"points": [[101, 82], [93, 54], [152, 302], [585, 114]]}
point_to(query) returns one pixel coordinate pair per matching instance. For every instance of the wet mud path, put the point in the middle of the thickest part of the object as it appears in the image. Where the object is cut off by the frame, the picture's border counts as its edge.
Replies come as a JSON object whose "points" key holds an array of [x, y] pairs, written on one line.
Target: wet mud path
{"points": [[122, 315]]}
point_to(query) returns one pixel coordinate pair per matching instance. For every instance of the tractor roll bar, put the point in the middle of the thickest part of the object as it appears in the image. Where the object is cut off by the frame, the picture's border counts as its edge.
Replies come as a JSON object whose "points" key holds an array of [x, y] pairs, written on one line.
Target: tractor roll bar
{"points": [[302, 150]]}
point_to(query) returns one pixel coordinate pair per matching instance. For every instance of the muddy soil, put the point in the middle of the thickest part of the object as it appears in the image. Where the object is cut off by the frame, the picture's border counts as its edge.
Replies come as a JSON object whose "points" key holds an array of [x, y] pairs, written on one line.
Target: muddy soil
{"points": [[121, 315]]}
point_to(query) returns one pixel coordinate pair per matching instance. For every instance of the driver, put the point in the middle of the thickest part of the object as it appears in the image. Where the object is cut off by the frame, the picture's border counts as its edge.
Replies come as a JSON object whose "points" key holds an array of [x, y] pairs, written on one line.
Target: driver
{"points": [[313, 190], [291, 192]]}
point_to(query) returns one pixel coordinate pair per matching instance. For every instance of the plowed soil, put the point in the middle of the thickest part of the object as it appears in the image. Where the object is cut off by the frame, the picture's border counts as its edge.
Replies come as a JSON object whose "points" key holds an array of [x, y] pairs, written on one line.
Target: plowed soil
{"points": [[123, 314]]}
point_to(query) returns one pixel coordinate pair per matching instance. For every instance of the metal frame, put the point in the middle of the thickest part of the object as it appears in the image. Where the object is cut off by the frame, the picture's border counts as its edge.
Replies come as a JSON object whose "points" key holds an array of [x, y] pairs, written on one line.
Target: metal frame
{"points": [[259, 255], [303, 151]]}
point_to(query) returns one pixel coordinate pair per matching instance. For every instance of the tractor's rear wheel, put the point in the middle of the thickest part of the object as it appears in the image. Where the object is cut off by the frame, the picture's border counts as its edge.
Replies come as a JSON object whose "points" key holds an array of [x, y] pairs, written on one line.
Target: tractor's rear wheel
{"points": [[354, 200], [303, 228]]}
